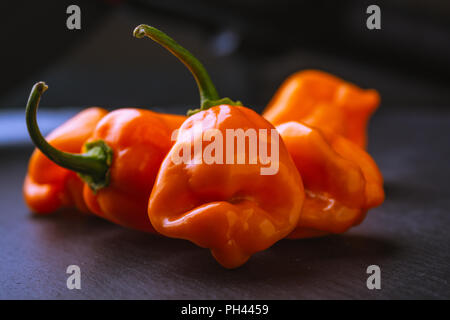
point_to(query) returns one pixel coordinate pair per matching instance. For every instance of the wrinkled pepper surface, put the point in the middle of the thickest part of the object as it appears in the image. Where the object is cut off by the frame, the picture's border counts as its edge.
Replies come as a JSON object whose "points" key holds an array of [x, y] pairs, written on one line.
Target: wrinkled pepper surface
{"points": [[116, 156], [324, 101], [341, 180], [229, 208]]}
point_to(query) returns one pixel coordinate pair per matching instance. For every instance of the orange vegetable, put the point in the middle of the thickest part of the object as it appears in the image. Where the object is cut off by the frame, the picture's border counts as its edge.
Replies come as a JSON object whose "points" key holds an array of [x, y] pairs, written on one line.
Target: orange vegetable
{"points": [[122, 152], [341, 180], [232, 209], [324, 101], [49, 187]]}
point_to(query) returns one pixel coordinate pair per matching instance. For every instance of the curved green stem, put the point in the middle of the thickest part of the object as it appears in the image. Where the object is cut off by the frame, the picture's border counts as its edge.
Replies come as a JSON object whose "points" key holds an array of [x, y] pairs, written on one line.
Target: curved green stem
{"points": [[92, 166], [208, 93]]}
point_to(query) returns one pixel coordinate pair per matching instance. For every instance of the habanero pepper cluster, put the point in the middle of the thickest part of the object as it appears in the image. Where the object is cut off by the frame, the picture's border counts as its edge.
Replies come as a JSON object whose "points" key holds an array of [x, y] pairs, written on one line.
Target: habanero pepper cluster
{"points": [[119, 166]]}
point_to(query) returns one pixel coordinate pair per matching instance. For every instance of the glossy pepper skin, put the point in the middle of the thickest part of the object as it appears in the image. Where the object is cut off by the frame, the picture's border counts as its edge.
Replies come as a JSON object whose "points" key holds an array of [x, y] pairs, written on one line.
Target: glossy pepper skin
{"points": [[324, 101], [341, 180], [140, 140], [121, 157], [232, 209], [49, 187]]}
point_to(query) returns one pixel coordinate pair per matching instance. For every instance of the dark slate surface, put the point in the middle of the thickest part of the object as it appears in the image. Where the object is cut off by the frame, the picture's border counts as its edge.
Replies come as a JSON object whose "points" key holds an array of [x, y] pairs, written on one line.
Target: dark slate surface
{"points": [[408, 237]]}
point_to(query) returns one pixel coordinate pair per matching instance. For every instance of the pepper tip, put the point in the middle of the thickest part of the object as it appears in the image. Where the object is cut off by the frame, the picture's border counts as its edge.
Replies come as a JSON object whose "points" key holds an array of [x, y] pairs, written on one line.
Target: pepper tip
{"points": [[41, 86], [139, 31]]}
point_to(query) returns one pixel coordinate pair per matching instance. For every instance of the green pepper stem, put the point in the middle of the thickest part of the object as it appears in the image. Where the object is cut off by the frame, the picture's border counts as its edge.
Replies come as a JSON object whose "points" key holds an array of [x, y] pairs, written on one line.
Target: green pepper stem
{"points": [[208, 93], [92, 166]]}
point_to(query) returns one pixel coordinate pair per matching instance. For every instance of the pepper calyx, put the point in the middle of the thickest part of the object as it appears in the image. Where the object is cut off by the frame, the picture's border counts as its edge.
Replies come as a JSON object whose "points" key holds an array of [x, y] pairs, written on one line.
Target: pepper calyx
{"points": [[211, 103], [99, 151]]}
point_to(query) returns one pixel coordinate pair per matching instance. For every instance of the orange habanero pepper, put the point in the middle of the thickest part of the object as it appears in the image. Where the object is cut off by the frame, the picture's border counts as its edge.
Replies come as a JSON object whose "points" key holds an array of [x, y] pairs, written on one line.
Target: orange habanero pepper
{"points": [[232, 209], [48, 186], [324, 101], [121, 157], [341, 180]]}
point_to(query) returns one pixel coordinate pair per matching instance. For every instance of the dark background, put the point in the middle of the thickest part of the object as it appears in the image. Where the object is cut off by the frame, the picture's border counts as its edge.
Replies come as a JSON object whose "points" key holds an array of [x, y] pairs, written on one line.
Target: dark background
{"points": [[249, 47]]}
